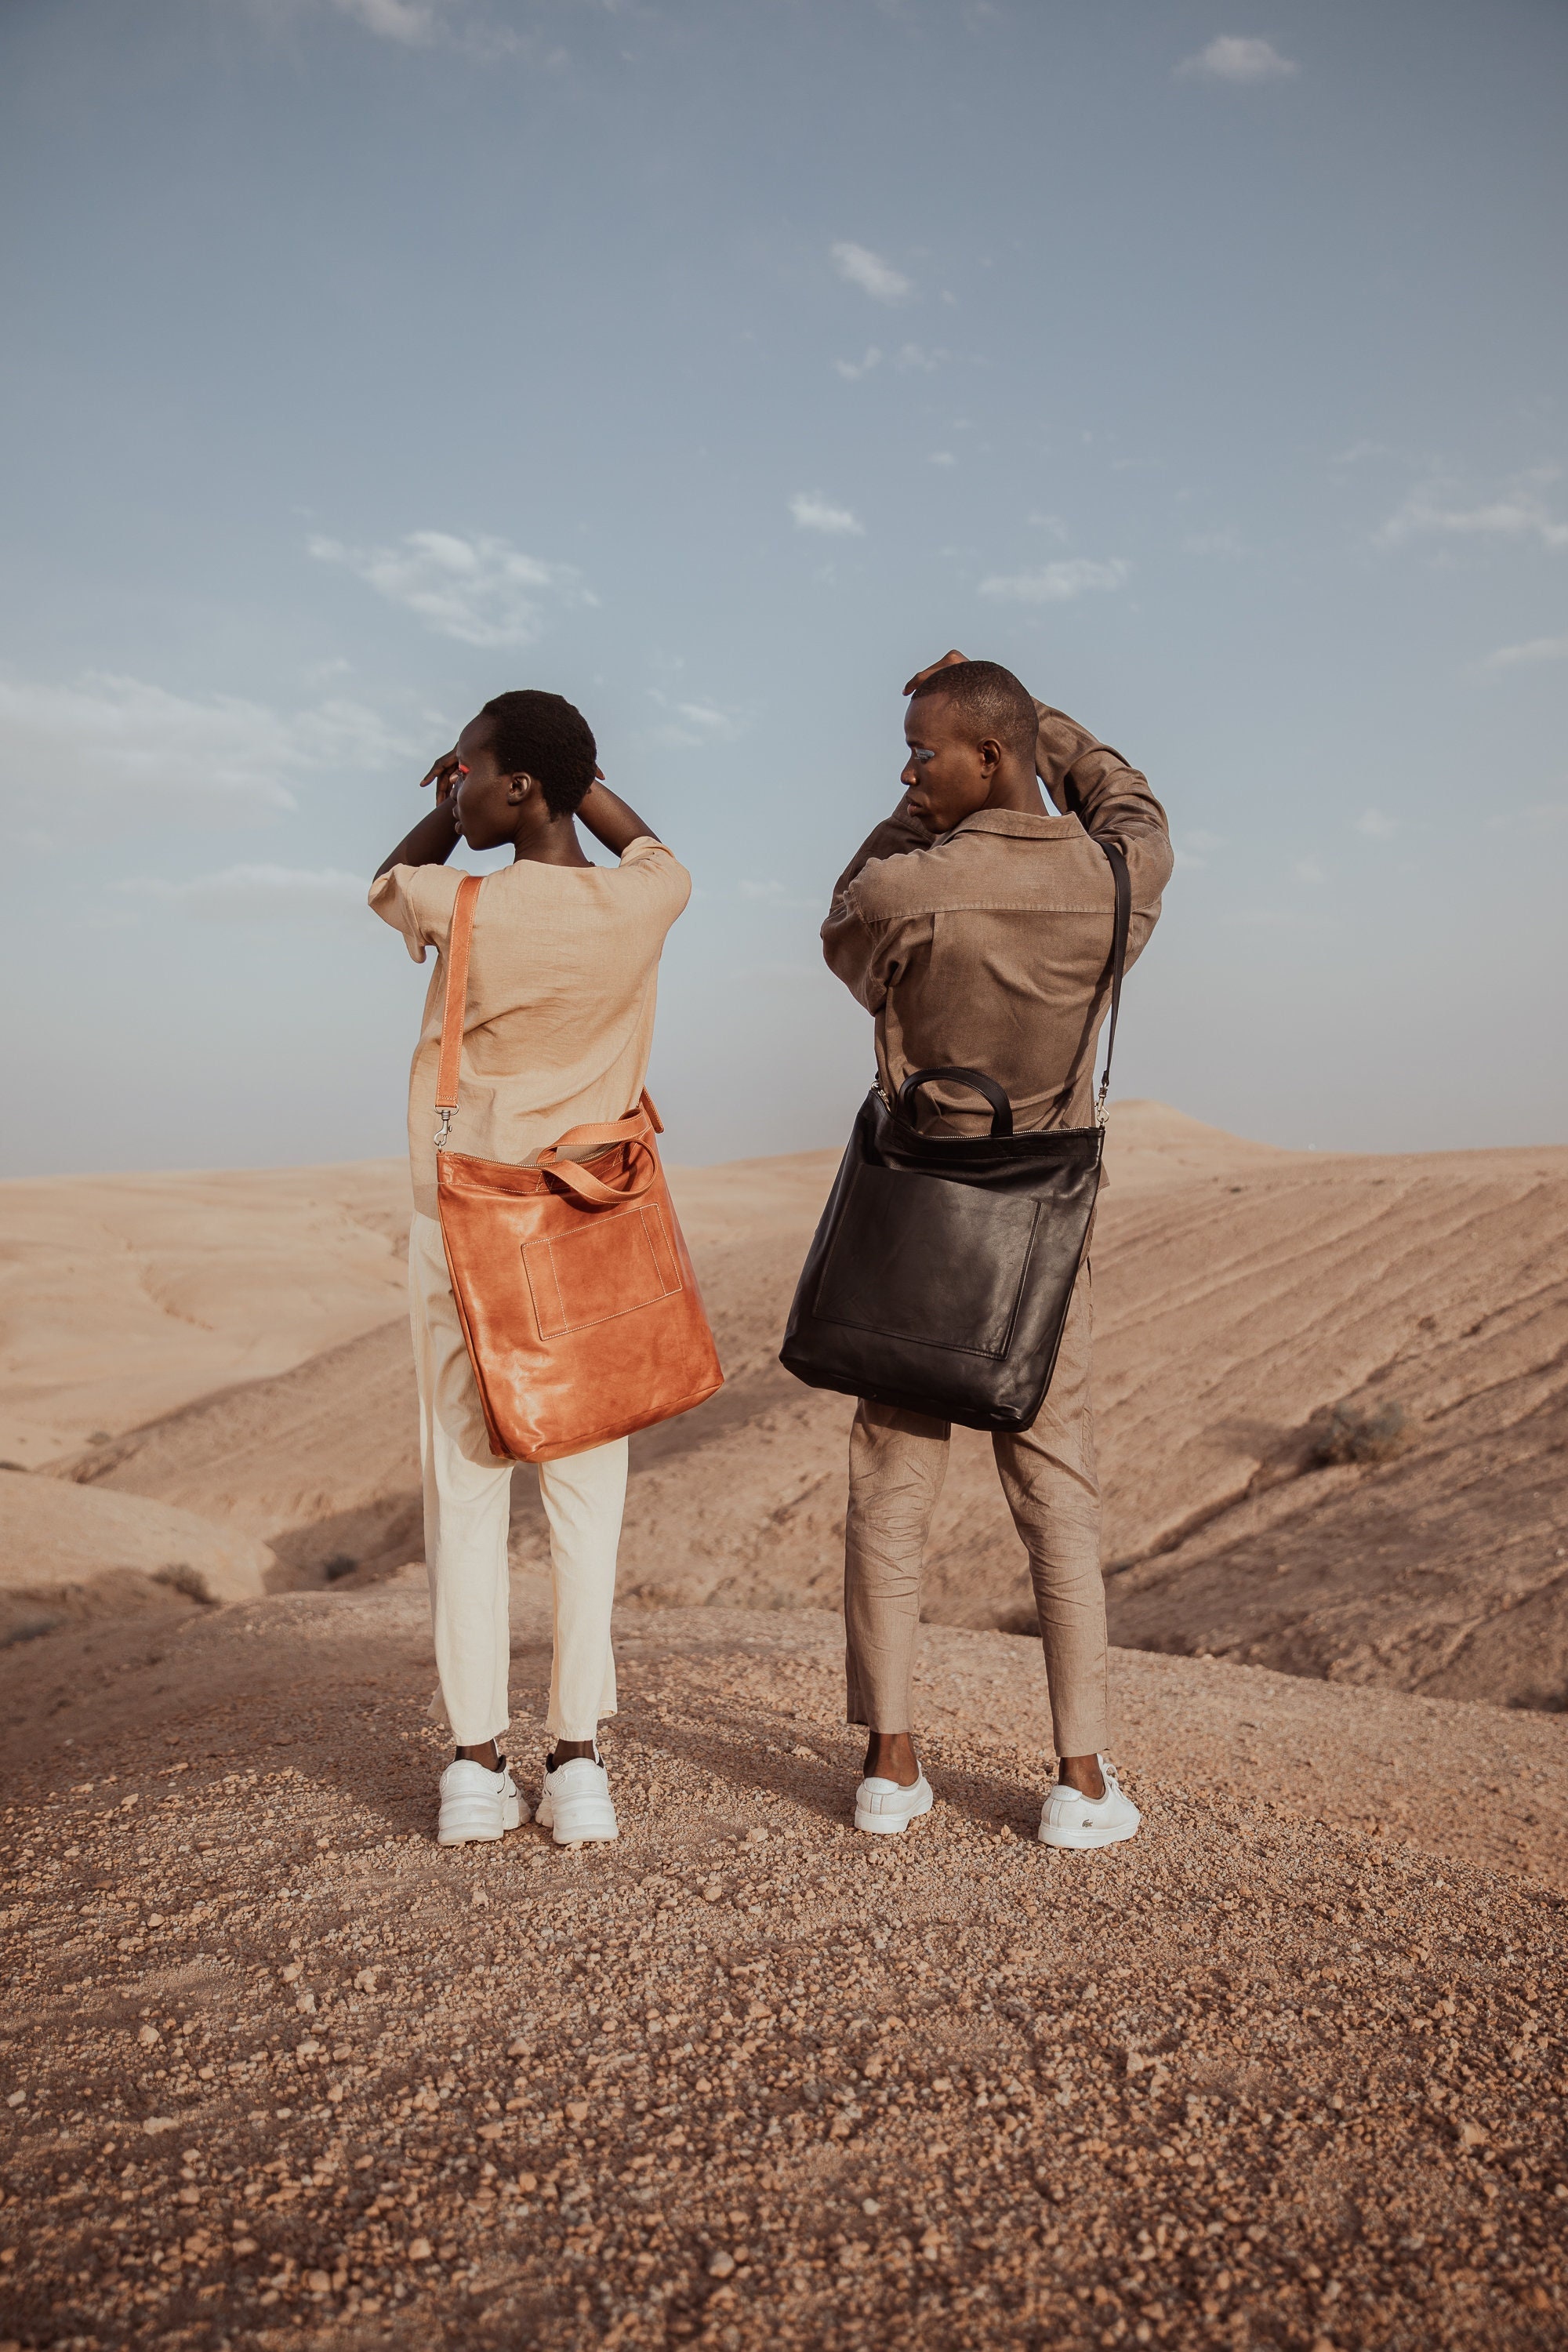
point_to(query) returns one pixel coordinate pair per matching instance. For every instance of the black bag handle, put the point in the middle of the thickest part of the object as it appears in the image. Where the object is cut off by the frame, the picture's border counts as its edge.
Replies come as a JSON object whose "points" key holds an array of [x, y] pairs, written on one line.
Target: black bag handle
{"points": [[1001, 1108], [1123, 924]]}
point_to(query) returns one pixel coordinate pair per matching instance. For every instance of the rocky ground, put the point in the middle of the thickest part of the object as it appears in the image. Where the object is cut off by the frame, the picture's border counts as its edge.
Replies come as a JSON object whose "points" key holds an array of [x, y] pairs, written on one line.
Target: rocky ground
{"points": [[1288, 2071]]}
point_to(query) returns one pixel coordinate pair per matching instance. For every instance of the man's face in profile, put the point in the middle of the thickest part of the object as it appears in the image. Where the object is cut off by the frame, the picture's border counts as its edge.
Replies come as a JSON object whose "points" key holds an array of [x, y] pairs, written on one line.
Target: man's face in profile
{"points": [[948, 775]]}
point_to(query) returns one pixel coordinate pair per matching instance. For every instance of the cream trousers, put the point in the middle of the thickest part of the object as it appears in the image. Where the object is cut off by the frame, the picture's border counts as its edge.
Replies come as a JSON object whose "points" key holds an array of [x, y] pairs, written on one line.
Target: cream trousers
{"points": [[897, 1465], [468, 1513]]}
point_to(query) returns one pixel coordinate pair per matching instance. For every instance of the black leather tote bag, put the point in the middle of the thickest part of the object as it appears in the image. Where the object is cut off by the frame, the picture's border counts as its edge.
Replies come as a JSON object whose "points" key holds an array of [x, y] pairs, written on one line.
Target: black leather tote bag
{"points": [[940, 1276]]}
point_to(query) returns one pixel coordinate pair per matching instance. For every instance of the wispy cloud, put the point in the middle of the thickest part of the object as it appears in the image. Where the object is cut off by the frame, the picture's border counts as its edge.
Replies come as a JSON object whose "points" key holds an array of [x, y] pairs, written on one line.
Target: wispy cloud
{"points": [[122, 747], [1226, 541], [1311, 870], [1239, 59], [483, 591], [915, 355], [414, 23], [853, 370], [1534, 649], [1375, 825], [1521, 513], [1059, 582], [941, 457], [258, 894], [812, 511], [860, 267], [693, 726]]}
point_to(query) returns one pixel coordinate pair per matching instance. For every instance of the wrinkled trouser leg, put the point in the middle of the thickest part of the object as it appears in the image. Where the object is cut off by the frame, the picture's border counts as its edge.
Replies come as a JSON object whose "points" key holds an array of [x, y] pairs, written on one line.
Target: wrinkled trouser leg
{"points": [[468, 1513], [897, 1463], [1053, 1492]]}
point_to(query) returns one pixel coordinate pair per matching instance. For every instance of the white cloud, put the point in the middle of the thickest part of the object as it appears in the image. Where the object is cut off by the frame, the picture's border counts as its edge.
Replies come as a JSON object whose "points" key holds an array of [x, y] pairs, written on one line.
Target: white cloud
{"points": [[1059, 583], [258, 894], [862, 268], [412, 22], [1521, 513], [1309, 870], [853, 370], [124, 748], [1213, 542], [1534, 649], [1375, 825], [1239, 59], [915, 355], [693, 726], [483, 592], [941, 457], [1052, 523], [812, 511]]}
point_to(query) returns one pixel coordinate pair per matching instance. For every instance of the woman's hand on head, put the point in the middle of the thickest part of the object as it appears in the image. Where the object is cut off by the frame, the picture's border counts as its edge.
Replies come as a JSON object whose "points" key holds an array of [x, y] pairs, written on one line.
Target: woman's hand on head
{"points": [[443, 774]]}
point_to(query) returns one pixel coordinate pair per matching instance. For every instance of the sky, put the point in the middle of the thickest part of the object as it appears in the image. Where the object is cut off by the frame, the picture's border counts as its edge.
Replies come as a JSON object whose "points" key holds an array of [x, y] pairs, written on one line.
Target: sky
{"points": [[716, 365]]}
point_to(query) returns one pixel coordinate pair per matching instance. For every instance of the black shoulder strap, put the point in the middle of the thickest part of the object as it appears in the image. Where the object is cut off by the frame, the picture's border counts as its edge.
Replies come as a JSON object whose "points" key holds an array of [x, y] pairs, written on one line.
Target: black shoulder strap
{"points": [[1120, 876]]}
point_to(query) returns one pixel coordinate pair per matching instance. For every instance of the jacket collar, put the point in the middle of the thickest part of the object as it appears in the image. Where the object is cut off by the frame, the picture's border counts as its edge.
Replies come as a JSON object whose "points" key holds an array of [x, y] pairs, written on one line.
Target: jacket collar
{"points": [[1017, 824]]}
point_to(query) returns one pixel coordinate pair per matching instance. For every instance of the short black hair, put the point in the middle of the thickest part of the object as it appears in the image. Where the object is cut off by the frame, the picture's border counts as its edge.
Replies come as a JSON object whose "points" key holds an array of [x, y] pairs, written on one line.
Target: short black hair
{"points": [[546, 737], [991, 699]]}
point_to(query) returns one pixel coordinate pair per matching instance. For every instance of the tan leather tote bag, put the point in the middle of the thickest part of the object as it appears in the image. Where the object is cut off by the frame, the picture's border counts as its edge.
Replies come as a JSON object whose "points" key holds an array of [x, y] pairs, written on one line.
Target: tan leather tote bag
{"points": [[573, 1282]]}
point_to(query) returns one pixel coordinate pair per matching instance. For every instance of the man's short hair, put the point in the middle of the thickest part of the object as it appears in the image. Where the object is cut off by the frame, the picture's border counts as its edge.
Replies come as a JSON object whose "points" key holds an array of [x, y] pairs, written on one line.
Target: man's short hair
{"points": [[991, 700], [546, 737]]}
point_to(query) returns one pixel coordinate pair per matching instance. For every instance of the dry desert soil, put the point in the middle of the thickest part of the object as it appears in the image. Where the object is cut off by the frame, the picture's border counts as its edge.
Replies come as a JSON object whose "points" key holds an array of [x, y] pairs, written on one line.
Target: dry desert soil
{"points": [[1289, 2070]]}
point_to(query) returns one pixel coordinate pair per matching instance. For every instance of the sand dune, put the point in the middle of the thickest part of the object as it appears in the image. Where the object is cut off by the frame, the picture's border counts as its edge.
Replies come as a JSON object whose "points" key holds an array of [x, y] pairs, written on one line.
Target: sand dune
{"points": [[64, 1548], [124, 1296], [1242, 1294]]}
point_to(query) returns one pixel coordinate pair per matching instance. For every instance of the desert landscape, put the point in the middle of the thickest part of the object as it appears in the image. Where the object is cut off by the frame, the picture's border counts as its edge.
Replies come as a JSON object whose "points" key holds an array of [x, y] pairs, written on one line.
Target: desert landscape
{"points": [[1289, 2070]]}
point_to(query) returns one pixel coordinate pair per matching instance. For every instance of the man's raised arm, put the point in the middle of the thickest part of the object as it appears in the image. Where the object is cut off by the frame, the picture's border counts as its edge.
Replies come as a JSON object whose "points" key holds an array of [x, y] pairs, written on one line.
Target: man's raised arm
{"points": [[1088, 780]]}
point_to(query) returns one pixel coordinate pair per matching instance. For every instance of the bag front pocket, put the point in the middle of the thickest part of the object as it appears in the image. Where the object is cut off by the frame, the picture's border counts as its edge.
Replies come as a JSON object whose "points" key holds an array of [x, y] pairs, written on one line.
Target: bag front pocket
{"points": [[927, 1260], [611, 1266]]}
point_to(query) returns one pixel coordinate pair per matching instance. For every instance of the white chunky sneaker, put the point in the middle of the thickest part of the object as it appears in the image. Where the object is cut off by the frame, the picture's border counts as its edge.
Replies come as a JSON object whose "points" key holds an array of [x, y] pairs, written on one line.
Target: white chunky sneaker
{"points": [[478, 1806], [575, 1807], [886, 1808], [1077, 1824]]}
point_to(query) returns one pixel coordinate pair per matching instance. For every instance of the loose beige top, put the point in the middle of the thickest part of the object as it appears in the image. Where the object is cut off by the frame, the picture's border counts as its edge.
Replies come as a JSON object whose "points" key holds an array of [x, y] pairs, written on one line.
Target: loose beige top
{"points": [[562, 981], [991, 946]]}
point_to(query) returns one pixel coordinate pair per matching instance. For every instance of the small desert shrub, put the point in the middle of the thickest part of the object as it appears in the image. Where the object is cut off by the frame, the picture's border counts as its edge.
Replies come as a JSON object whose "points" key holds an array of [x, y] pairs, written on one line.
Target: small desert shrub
{"points": [[338, 1565], [1360, 1434], [28, 1629]]}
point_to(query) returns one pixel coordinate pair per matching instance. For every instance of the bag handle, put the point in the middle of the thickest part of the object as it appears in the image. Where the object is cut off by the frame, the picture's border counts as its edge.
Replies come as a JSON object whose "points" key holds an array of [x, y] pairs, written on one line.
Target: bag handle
{"points": [[632, 1128], [1001, 1108], [1122, 926]]}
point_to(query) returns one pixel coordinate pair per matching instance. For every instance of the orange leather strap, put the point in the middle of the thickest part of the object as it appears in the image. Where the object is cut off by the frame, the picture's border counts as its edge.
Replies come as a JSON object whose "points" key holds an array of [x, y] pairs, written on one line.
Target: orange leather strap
{"points": [[456, 1001]]}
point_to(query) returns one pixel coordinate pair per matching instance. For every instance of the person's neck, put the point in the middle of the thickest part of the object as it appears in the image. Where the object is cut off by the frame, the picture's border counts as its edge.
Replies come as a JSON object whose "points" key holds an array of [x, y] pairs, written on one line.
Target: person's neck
{"points": [[1017, 789], [553, 843]]}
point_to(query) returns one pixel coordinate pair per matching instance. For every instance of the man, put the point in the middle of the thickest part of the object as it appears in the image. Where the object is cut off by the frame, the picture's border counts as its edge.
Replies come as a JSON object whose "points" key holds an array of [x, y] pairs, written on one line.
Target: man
{"points": [[557, 1031], [975, 926]]}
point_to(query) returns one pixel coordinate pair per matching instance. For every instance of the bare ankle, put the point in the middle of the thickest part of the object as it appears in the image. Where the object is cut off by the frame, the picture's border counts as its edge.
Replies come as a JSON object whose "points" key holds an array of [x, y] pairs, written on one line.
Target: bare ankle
{"points": [[1082, 1773], [891, 1756]]}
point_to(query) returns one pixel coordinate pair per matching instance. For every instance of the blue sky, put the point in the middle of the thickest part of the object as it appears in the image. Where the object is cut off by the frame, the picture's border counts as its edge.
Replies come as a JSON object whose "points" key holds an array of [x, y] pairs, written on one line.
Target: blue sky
{"points": [[715, 365]]}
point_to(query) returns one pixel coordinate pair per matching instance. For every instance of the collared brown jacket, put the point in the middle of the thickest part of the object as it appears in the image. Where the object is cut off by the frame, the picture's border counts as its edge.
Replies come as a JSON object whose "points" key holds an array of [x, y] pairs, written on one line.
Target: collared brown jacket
{"points": [[990, 945]]}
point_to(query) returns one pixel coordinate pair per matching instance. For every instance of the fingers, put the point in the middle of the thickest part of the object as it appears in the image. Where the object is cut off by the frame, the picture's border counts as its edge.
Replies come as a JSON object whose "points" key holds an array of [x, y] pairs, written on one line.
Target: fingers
{"points": [[920, 676], [440, 771]]}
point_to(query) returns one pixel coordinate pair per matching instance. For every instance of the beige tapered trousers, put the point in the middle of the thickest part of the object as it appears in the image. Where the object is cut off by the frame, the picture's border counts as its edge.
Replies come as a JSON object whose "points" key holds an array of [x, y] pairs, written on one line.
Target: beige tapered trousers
{"points": [[468, 1514], [897, 1465]]}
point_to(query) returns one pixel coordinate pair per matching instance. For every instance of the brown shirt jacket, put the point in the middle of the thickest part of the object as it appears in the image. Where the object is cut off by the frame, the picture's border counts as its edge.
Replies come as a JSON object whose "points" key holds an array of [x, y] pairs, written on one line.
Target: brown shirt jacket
{"points": [[990, 945]]}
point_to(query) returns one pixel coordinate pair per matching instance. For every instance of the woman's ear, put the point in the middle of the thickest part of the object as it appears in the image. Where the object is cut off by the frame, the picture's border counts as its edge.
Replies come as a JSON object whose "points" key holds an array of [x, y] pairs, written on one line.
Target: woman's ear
{"points": [[518, 787]]}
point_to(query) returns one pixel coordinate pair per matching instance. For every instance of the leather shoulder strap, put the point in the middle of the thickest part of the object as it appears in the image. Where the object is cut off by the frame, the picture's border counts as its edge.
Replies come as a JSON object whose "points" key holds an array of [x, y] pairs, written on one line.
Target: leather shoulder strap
{"points": [[455, 1004], [1123, 924]]}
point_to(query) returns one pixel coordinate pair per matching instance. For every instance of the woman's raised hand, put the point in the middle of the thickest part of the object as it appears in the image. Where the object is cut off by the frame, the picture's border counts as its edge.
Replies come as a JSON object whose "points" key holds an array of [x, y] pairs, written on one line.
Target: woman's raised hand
{"points": [[443, 774]]}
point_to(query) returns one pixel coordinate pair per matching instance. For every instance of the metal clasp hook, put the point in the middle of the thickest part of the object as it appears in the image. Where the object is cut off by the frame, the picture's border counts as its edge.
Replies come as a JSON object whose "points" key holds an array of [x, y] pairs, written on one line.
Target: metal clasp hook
{"points": [[443, 1131]]}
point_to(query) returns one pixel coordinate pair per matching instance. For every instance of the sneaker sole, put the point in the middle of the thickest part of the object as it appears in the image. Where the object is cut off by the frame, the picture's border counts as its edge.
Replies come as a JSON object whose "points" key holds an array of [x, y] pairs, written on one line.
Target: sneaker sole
{"points": [[892, 1824], [1086, 1841], [585, 1837], [513, 1819]]}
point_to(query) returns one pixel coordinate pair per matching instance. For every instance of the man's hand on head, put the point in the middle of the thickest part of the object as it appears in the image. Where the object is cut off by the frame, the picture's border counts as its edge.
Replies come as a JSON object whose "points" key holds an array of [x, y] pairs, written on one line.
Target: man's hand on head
{"points": [[920, 676]]}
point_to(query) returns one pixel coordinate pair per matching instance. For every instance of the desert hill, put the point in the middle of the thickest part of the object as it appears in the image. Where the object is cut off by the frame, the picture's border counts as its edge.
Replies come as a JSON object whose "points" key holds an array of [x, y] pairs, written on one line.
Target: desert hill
{"points": [[1332, 1402], [1286, 2071]]}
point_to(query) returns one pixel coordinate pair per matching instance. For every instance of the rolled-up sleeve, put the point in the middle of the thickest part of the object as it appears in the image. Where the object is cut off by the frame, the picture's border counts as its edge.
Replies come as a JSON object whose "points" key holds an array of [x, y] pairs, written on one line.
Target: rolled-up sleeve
{"points": [[1113, 801], [404, 897], [859, 945]]}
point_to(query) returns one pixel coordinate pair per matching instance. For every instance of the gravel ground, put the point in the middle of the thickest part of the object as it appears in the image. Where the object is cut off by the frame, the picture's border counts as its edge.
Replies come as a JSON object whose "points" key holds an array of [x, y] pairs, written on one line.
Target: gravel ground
{"points": [[278, 2072]]}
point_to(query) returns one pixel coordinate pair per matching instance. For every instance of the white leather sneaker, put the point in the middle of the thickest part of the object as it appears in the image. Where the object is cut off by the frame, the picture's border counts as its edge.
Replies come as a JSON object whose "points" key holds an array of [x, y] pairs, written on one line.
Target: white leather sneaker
{"points": [[886, 1808], [575, 1807], [478, 1806], [1077, 1824]]}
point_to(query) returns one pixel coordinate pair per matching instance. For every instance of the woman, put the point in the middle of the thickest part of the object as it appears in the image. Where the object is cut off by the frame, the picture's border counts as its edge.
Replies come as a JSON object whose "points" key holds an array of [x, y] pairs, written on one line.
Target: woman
{"points": [[557, 1031]]}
